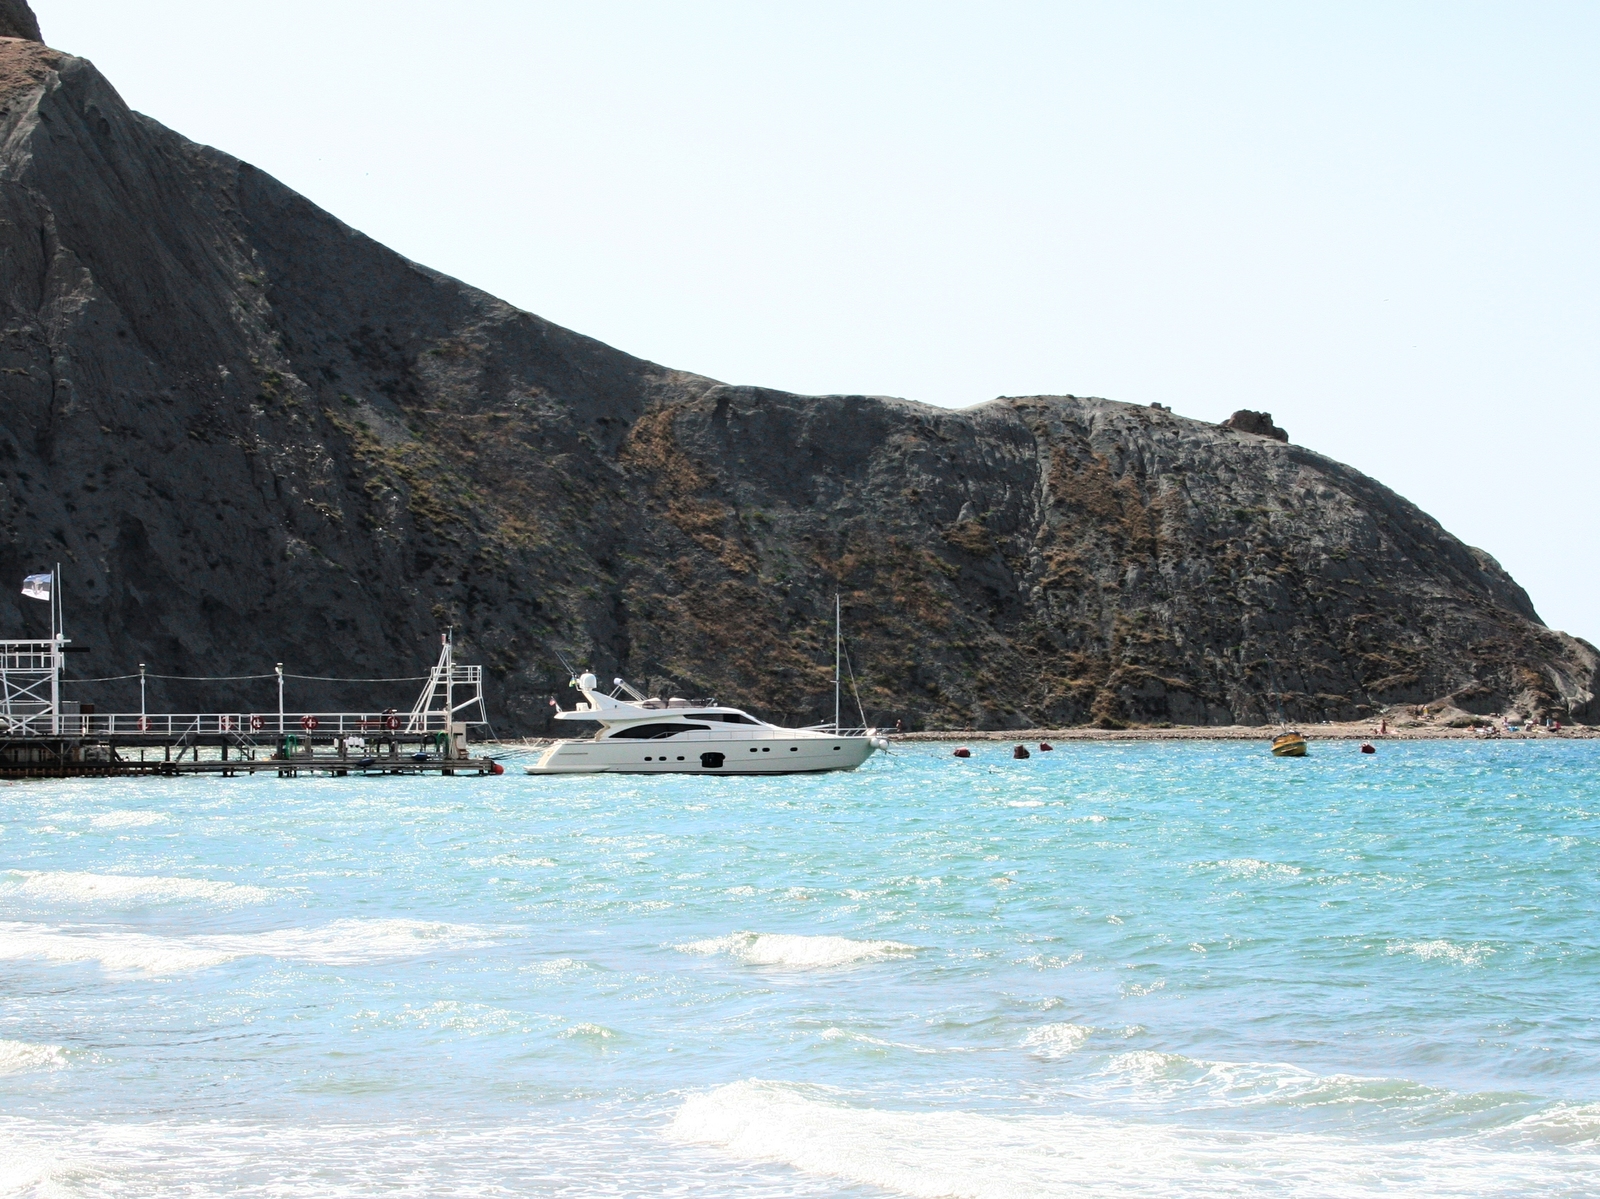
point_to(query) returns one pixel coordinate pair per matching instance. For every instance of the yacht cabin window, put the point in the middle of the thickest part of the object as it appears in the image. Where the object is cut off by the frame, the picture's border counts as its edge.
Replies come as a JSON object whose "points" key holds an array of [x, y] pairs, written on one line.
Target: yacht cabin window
{"points": [[652, 732]]}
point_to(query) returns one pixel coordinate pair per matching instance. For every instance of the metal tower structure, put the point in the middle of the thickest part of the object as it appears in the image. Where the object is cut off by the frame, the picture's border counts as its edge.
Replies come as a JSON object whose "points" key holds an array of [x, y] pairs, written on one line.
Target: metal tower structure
{"points": [[437, 707], [30, 686]]}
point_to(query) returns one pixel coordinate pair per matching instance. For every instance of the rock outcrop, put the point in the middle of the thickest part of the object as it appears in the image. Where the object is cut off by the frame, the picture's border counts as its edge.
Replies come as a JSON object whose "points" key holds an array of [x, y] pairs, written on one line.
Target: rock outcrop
{"points": [[17, 20], [1259, 423], [251, 434]]}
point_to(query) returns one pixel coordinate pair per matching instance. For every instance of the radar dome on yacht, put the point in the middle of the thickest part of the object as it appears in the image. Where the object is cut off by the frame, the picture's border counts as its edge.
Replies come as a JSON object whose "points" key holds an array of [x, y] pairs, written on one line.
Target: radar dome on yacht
{"points": [[588, 682]]}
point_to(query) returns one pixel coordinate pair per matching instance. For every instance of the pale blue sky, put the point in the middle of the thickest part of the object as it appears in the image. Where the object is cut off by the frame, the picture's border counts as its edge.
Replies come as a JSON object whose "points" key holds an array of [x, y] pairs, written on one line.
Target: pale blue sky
{"points": [[1376, 221]]}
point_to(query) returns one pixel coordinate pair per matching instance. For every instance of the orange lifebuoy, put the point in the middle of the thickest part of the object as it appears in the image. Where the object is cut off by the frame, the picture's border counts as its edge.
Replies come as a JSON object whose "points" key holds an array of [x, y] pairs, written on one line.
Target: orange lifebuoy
{"points": [[257, 723], [391, 722], [229, 723], [144, 724], [309, 722]]}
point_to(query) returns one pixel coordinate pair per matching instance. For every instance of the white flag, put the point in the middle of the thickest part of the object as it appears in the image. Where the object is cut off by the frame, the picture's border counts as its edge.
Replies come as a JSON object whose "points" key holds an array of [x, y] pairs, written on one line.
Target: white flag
{"points": [[37, 586]]}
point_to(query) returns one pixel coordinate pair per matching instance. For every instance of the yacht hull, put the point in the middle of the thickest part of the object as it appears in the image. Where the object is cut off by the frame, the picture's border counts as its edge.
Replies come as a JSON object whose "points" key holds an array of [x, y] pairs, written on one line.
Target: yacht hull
{"points": [[795, 753]]}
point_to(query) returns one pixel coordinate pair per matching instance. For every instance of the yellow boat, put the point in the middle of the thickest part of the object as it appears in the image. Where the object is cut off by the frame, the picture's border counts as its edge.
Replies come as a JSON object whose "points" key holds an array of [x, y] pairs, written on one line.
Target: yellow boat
{"points": [[1289, 745]]}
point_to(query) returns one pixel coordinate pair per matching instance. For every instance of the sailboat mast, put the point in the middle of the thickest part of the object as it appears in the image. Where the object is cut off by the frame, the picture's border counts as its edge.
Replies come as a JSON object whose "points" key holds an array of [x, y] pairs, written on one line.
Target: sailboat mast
{"points": [[838, 633]]}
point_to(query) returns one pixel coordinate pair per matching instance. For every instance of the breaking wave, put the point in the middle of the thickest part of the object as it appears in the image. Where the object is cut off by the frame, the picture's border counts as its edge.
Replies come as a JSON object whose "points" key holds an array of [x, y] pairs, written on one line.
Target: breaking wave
{"points": [[949, 1154], [351, 942], [18, 1056], [122, 890], [1057, 1040], [115, 950], [798, 952], [342, 943]]}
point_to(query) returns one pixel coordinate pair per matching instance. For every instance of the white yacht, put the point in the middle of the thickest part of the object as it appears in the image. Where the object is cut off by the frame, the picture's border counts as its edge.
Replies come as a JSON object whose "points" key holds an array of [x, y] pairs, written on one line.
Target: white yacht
{"points": [[673, 736]]}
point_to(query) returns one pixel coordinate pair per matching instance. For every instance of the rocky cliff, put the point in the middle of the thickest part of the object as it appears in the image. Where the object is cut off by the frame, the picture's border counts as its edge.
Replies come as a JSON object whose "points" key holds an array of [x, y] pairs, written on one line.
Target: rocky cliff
{"points": [[251, 434], [17, 20]]}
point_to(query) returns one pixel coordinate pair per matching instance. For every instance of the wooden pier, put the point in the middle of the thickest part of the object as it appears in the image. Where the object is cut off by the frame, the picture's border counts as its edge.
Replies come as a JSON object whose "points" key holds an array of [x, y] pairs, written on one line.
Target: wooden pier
{"points": [[45, 736], [97, 752]]}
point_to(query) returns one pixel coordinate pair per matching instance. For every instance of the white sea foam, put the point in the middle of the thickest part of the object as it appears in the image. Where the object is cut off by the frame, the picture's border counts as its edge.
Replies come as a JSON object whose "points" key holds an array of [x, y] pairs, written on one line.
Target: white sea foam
{"points": [[1255, 868], [586, 1031], [1146, 1065], [114, 949], [127, 819], [557, 967], [29, 1172], [1576, 1125], [123, 890], [351, 942], [1173, 1081], [472, 1019], [944, 1154], [862, 1038], [1050, 961], [799, 952], [403, 1159], [1057, 1040], [342, 943], [1441, 950], [18, 1056]]}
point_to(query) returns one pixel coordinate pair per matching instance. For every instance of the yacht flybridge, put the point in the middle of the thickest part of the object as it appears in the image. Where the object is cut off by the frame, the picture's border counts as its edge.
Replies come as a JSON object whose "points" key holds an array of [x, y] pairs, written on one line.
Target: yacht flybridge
{"points": [[674, 736]]}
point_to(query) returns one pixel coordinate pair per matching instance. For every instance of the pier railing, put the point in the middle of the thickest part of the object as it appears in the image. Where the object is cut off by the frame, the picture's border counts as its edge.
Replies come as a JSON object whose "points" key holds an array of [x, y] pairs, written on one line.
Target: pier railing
{"points": [[245, 725]]}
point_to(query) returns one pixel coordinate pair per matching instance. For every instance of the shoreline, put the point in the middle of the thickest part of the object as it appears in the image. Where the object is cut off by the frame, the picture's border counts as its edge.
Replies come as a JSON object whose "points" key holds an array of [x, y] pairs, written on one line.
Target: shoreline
{"points": [[1353, 731]]}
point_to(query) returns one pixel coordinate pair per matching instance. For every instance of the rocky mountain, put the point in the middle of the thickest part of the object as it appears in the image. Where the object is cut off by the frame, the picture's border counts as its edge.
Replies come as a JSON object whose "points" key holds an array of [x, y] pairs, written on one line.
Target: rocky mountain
{"points": [[251, 434]]}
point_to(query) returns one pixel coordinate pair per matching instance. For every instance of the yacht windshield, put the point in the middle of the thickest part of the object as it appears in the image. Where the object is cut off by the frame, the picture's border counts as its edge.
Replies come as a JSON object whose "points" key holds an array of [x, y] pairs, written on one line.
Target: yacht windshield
{"points": [[653, 732]]}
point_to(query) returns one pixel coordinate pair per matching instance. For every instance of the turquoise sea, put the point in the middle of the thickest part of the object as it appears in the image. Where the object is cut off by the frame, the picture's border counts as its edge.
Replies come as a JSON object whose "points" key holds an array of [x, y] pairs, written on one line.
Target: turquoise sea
{"points": [[1115, 969]]}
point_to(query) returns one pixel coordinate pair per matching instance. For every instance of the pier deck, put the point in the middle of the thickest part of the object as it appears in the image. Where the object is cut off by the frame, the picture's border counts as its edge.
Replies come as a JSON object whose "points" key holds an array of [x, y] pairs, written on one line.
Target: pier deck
{"points": [[327, 743], [43, 735]]}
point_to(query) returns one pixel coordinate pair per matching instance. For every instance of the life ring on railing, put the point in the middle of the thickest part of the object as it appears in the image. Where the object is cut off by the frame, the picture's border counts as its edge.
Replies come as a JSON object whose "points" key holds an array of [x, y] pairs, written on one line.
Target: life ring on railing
{"points": [[309, 722], [391, 723], [144, 724], [257, 723], [228, 723]]}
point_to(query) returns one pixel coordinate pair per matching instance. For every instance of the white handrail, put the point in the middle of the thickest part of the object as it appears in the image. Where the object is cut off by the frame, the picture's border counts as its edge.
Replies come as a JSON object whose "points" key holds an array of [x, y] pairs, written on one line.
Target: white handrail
{"points": [[253, 725]]}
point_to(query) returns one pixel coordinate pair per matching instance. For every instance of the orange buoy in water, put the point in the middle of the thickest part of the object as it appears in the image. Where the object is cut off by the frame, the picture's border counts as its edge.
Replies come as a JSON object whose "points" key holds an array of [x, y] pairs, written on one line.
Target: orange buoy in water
{"points": [[1045, 747], [963, 752], [496, 768], [1021, 752], [1368, 748]]}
